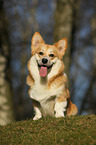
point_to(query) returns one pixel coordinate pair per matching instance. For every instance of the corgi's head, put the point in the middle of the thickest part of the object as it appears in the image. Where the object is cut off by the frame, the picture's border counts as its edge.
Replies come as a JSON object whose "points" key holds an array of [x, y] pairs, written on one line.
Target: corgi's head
{"points": [[47, 55]]}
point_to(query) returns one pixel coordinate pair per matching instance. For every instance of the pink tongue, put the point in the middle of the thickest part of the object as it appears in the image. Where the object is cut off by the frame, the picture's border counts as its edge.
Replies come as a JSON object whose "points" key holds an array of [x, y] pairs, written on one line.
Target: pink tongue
{"points": [[43, 71]]}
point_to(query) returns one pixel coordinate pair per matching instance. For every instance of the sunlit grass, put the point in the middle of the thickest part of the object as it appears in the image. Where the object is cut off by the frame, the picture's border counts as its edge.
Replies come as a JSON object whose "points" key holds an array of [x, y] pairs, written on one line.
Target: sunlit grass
{"points": [[69, 131]]}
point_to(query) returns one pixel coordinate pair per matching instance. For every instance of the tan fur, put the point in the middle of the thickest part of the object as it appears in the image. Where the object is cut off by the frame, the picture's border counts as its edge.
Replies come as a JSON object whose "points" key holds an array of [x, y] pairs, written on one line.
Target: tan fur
{"points": [[59, 45], [62, 98], [49, 94], [57, 77], [30, 80], [71, 108]]}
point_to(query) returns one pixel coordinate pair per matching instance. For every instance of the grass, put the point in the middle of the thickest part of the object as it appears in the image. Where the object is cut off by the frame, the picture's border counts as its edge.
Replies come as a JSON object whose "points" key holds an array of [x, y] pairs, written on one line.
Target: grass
{"points": [[78, 130]]}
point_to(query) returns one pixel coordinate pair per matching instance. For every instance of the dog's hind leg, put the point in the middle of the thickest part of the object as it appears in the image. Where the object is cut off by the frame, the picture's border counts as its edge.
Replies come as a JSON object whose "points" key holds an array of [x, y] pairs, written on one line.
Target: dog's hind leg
{"points": [[71, 109]]}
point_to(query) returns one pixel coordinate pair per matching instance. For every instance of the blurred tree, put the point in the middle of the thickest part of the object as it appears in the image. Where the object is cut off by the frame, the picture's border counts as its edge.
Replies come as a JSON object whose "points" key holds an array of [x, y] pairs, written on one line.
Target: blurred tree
{"points": [[22, 25], [71, 21], [83, 68], [6, 104], [90, 95], [65, 19]]}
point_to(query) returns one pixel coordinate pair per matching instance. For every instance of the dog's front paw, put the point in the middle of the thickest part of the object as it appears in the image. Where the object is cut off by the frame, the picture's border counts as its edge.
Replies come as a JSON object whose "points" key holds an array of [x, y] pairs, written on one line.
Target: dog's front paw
{"points": [[38, 114], [58, 115], [37, 117]]}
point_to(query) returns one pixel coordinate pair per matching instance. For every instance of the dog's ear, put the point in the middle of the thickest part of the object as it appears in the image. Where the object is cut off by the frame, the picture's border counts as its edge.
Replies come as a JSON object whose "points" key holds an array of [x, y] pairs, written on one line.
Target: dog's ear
{"points": [[36, 40], [62, 46]]}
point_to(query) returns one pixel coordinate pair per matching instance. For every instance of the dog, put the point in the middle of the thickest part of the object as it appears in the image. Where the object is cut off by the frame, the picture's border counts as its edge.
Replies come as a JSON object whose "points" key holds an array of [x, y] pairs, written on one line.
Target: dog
{"points": [[47, 80]]}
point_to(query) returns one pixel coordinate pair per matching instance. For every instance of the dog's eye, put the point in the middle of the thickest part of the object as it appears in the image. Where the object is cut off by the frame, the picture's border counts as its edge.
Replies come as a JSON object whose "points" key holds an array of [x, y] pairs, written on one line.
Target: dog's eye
{"points": [[51, 55], [41, 53]]}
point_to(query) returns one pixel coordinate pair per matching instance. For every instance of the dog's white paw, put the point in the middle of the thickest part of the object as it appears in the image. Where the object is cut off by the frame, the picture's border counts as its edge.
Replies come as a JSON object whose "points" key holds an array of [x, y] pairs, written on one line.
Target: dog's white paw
{"points": [[37, 117], [58, 115], [38, 114]]}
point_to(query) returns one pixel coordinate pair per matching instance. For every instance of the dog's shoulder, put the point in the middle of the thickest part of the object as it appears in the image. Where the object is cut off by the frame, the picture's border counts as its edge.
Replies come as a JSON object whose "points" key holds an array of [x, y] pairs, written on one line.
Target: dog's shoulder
{"points": [[58, 81]]}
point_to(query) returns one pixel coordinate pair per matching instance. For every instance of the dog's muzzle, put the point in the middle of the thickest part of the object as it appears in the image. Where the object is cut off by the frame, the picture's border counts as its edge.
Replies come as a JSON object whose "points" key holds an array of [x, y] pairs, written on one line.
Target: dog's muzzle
{"points": [[44, 64]]}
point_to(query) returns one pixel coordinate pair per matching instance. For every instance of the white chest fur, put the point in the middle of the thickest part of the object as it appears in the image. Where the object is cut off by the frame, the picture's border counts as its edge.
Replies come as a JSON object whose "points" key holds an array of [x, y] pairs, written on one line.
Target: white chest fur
{"points": [[46, 97], [41, 92]]}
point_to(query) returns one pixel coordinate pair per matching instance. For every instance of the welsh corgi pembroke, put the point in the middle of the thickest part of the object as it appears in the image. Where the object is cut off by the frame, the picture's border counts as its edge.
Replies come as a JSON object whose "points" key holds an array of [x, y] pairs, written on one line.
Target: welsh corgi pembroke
{"points": [[47, 80]]}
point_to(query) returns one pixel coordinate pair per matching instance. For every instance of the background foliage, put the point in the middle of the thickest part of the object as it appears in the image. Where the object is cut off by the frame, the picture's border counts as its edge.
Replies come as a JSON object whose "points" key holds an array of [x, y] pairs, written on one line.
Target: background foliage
{"points": [[54, 19]]}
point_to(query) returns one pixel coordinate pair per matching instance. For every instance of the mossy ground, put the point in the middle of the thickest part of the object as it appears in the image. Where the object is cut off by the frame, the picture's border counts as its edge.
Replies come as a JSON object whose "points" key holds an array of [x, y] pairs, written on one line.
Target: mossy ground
{"points": [[78, 130]]}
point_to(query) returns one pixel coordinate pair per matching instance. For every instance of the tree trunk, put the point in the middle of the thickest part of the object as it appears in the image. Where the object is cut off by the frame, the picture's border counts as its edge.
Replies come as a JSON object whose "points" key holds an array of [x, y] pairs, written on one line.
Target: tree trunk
{"points": [[63, 27], [6, 109]]}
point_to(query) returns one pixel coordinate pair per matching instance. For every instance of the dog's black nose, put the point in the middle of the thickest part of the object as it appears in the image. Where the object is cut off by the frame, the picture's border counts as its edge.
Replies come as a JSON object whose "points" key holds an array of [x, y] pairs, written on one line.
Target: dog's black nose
{"points": [[44, 60]]}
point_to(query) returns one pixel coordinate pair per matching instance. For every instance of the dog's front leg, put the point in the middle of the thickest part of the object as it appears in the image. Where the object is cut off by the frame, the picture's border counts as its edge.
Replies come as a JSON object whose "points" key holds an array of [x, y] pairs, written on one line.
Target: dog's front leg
{"points": [[60, 108], [38, 114], [37, 109]]}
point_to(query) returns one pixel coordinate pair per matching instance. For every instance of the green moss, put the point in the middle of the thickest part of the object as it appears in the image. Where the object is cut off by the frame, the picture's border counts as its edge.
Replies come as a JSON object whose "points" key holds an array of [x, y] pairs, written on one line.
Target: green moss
{"points": [[79, 130]]}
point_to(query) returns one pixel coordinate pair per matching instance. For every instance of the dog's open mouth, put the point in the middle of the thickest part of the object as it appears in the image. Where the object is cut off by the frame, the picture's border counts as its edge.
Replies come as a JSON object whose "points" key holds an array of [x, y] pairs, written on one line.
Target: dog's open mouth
{"points": [[43, 69]]}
